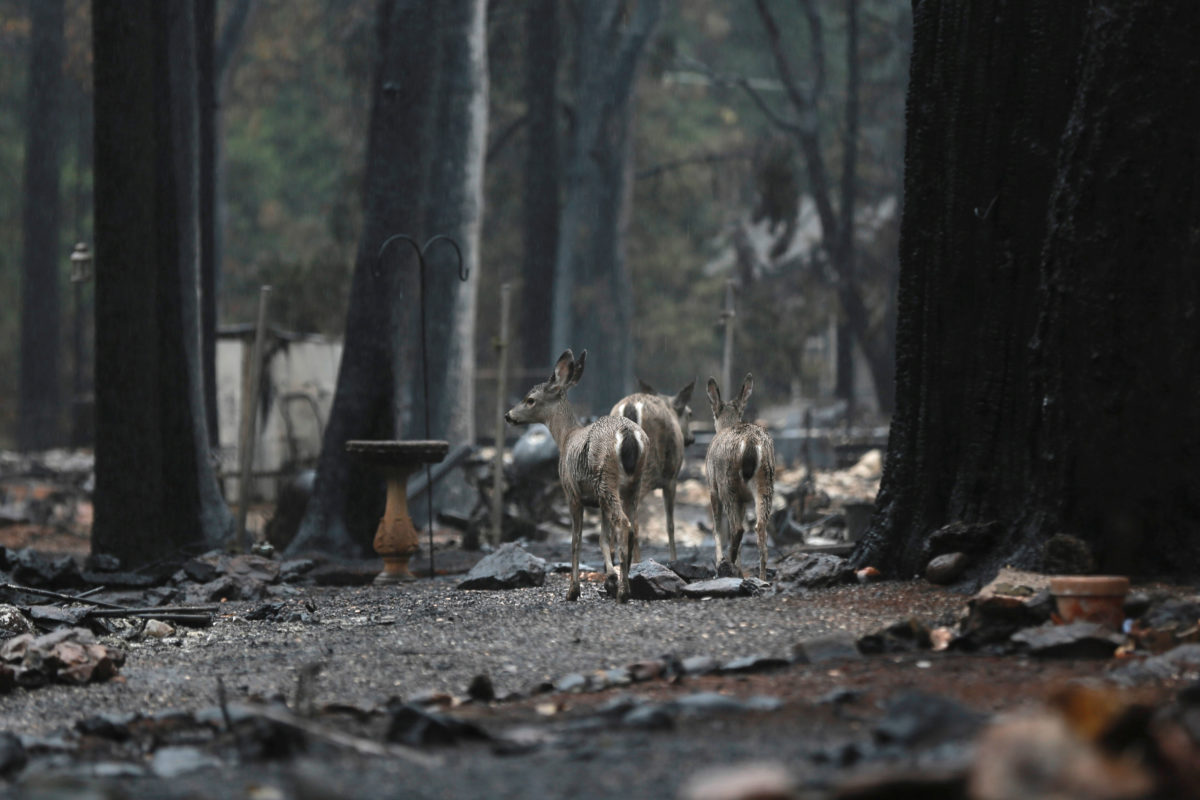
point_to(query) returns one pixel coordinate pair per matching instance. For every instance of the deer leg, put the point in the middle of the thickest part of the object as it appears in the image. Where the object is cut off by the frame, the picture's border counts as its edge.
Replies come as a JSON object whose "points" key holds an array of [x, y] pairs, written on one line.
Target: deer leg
{"points": [[669, 503], [737, 528], [718, 526], [628, 531], [760, 528], [629, 501], [606, 545], [576, 541]]}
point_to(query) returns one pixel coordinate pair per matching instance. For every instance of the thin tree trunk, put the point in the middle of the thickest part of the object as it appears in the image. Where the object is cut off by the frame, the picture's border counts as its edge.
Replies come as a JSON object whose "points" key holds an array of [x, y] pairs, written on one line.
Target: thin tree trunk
{"points": [[377, 357], [206, 89], [156, 493], [40, 394]]}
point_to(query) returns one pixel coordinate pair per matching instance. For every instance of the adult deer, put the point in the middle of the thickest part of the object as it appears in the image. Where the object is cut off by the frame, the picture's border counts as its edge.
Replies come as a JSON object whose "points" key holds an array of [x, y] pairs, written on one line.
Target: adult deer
{"points": [[741, 468], [667, 421], [600, 464]]}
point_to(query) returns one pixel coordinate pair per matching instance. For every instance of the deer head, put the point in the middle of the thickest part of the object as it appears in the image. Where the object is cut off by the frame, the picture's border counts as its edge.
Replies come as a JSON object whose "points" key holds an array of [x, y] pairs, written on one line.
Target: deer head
{"points": [[543, 400], [726, 415]]}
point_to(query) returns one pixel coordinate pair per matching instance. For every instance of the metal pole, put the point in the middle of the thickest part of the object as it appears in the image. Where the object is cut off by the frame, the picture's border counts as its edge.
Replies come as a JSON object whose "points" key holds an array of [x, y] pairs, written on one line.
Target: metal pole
{"points": [[501, 395], [250, 394], [727, 316]]}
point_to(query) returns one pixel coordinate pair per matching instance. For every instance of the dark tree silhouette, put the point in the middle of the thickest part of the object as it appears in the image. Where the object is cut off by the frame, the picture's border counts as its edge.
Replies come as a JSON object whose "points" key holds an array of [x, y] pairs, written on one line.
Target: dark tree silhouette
{"points": [[377, 356], [543, 176], [1048, 357], [40, 405], [156, 493], [593, 297]]}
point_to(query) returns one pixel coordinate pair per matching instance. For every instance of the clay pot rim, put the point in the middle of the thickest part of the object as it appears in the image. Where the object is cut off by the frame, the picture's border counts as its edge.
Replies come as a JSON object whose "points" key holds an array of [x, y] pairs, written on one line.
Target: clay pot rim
{"points": [[1089, 585]]}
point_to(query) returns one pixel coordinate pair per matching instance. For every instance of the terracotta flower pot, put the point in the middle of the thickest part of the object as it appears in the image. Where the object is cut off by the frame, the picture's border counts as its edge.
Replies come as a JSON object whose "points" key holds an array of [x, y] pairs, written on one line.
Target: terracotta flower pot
{"points": [[1094, 598]]}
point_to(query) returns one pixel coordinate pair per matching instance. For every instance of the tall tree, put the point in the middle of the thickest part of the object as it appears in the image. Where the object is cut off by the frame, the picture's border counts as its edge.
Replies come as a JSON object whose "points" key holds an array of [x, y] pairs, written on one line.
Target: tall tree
{"points": [[41, 396], [371, 401], [156, 493], [1048, 361], [455, 209], [593, 302], [836, 204], [543, 177]]}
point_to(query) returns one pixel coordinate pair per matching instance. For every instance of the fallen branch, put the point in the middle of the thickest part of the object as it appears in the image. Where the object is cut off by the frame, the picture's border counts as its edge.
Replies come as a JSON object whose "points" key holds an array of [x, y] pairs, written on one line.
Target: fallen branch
{"points": [[68, 598]]}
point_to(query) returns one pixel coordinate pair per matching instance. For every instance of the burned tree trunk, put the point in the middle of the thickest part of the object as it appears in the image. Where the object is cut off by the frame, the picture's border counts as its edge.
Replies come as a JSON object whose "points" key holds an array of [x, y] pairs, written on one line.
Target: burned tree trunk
{"points": [[370, 400], [156, 493], [40, 406], [455, 209], [593, 295], [1048, 364], [543, 175]]}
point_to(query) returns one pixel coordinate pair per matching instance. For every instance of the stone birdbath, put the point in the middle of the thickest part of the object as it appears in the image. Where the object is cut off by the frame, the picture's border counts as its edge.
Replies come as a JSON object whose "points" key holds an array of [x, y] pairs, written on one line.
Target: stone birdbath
{"points": [[396, 537]]}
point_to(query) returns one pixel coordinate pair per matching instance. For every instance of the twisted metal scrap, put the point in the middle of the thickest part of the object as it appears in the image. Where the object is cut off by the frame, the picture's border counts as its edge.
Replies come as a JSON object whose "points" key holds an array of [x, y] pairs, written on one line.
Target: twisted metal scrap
{"points": [[463, 274]]}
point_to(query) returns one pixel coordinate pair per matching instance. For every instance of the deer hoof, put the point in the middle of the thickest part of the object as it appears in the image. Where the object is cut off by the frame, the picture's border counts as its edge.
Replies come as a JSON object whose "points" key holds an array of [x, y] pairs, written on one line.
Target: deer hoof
{"points": [[573, 592], [727, 570]]}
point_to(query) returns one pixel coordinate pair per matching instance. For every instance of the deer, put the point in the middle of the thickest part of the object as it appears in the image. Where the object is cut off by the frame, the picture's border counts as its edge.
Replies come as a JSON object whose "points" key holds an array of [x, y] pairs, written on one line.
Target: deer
{"points": [[667, 421], [740, 466], [602, 464]]}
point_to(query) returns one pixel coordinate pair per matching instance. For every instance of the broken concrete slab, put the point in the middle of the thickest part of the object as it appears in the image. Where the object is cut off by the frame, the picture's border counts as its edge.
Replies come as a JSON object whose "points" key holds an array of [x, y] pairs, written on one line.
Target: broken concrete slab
{"points": [[720, 587], [509, 567]]}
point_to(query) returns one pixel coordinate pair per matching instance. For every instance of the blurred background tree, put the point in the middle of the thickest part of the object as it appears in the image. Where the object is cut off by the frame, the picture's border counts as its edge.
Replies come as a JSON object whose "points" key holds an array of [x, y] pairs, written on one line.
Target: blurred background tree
{"points": [[717, 191]]}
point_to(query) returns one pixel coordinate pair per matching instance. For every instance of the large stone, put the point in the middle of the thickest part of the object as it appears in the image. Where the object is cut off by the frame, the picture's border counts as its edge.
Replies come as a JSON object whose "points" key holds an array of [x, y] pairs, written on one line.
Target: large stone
{"points": [[813, 571], [31, 568], [510, 567], [1077, 640], [720, 587], [946, 569], [1171, 665], [693, 570], [650, 580], [916, 719]]}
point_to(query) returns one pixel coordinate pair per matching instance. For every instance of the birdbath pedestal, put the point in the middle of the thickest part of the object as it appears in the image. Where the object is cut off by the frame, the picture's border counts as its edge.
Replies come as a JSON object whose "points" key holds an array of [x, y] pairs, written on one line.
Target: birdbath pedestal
{"points": [[396, 537]]}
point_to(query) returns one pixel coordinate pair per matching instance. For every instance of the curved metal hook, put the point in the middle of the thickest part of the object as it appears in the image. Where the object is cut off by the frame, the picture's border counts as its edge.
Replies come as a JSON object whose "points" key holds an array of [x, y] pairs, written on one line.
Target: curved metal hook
{"points": [[416, 249], [463, 272]]}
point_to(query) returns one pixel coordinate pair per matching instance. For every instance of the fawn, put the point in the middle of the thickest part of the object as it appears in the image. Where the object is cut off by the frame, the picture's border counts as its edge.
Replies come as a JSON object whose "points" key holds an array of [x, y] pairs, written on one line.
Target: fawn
{"points": [[667, 421], [601, 464], [741, 468]]}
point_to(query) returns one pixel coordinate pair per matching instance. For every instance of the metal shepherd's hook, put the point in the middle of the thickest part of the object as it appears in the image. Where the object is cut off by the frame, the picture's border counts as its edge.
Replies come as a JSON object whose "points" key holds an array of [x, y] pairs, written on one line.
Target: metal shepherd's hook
{"points": [[463, 274]]}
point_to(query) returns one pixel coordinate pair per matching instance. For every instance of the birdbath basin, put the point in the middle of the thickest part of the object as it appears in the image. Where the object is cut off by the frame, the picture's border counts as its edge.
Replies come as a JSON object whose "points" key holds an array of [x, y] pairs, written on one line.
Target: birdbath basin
{"points": [[396, 537]]}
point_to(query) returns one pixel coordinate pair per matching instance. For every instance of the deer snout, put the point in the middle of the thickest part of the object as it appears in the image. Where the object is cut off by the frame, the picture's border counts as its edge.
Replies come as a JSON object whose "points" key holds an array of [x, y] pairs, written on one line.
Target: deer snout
{"points": [[508, 417]]}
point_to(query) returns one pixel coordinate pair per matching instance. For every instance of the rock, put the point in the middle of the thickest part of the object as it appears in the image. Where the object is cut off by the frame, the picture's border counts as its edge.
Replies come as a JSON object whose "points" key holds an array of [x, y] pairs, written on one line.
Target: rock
{"points": [[946, 569], [649, 716], [1172, 665], [252, 567], [225, 588], [481, 688], [692, 570], [31, 568], [650, 580], [199, 571], [418, 727], [157, 629], [509, 567], [868, 575], [699, 665], [741, 782], [103, 562], [1077, 640], [813, 571], [48, 617], [295, 569], [917, 719], [960, 537], [833, 647], [1063, 554], [702, 703], [928, 781], [564, 568], [114, 727], [12, 754], [13, 622], [904, 636], [755, 663], [571, 682], [1012, 601], [646, 670], [720, 587]]}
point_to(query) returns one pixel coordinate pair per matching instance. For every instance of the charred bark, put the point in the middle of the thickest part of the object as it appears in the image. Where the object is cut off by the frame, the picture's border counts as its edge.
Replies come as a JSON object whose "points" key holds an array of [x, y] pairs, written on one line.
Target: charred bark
{"points": [[40, 408], [543, 176], [1045, 384], [371, 401], [593, 295], [156, 493]]}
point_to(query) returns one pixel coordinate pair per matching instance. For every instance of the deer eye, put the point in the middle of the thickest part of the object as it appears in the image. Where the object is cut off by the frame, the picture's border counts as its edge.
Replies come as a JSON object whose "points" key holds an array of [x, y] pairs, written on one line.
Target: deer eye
{"points": [[528, 401]]}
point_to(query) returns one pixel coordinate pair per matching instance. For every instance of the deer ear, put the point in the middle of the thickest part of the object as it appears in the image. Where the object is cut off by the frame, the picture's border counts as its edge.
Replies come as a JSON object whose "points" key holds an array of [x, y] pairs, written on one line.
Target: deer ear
{"points": [[714, 394], [563, 367], [577, 370], [685, 395], [644, 387], [747, 389]]}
